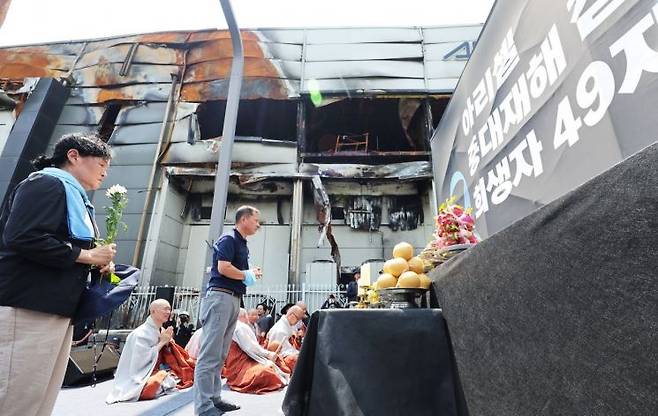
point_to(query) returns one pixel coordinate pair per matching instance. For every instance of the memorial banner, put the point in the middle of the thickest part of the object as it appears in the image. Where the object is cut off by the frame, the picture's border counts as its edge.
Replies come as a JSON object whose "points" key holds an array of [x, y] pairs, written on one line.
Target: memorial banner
{"points": [[555, 93]]}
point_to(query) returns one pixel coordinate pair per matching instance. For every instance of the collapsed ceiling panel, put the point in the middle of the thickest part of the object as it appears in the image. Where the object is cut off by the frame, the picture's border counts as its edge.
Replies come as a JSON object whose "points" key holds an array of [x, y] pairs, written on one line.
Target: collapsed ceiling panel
{"points": [[144, 54], [107, 74]]}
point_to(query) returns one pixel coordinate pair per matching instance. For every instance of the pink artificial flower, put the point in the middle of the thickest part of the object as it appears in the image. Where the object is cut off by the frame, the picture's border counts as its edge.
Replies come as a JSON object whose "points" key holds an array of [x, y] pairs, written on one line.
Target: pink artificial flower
{"points": [[467, 219]]}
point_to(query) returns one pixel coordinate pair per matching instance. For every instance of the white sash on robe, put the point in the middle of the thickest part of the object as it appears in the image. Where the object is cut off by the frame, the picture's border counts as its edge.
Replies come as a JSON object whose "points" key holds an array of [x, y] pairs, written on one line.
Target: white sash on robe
{"points": [[246, 340], [281, 332]]}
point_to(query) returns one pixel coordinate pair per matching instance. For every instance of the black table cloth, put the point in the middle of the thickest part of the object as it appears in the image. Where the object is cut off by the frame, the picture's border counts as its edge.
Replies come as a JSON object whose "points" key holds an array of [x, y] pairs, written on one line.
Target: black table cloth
{"points": [[375, 362], [557, 314]]}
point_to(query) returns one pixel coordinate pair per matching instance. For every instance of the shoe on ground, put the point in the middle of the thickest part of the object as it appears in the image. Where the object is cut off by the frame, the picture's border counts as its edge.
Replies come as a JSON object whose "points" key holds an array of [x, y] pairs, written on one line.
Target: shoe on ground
{"points": [[224, 406]]}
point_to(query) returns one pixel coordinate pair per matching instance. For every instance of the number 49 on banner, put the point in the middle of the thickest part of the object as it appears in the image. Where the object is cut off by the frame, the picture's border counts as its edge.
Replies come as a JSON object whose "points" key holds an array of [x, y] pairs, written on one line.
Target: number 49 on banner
{"points": [[596, 85]]}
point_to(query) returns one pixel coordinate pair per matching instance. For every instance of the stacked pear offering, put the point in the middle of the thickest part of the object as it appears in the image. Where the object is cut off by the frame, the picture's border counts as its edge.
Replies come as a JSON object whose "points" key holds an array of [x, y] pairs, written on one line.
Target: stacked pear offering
{"points": [[403, 270]]}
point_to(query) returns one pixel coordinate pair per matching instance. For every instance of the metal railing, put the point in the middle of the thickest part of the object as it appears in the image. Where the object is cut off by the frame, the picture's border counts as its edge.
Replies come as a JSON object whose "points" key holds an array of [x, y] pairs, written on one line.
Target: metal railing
{"points": [[313, 295], [134, 311]]}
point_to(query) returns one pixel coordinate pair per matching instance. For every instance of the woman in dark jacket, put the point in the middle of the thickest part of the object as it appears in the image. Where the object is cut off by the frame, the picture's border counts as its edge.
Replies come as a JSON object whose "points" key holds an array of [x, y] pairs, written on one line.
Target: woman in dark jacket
{"points": [[47, 246]]}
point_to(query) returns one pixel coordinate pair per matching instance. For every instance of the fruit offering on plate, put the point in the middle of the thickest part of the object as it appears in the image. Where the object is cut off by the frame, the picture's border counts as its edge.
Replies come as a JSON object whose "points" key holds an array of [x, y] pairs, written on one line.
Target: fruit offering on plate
{"points": [[404, 270]]}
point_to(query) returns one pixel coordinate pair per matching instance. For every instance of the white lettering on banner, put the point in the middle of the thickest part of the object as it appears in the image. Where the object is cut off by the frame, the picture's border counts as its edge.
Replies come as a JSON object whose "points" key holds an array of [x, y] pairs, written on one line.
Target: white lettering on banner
{"points": [[516, 105], [499, 179], [566, 126], [480, 198], [473, 156], [483, 92], [639, 56], [499, 182], [480, 146], [590, 19], [586, 106], [468, 116], [504, 63], [523, 168], [505, 60], [495, 127], [545, 66], [599, 76]]}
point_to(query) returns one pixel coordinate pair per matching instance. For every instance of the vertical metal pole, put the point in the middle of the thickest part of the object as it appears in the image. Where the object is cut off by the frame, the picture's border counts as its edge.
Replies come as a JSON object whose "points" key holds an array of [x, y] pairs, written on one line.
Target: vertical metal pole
{"points": [[296, 232], [228, 135], [165, 131]]}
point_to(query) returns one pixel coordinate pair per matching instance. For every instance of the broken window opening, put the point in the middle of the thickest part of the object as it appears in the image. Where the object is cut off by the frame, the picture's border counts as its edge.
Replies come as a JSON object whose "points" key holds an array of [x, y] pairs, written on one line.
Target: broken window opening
{"points": [[364, 213], [366, 126], [268, 119], [106, 123], [337, 213], [405, 213], [438, 107]]}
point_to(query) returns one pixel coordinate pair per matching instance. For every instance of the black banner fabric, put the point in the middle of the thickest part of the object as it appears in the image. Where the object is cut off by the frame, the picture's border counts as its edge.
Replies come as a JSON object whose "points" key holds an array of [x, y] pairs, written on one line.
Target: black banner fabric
{"points": [[389, 362], [554, 94], [556, 314]]}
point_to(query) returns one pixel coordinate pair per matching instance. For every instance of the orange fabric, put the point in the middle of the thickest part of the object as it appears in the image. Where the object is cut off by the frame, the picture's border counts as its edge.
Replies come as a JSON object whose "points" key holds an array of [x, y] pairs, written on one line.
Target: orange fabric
{"points": [[245, 375], [291, 362], [152, 386], [280, 361], [273, 345], [296, 342], [297, 339], [282, 365], [180, 363]]}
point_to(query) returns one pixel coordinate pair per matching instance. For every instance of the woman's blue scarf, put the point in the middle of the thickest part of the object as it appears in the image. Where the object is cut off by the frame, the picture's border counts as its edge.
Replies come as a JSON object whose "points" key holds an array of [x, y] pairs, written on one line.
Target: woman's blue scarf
{"points": [[79, 208]]}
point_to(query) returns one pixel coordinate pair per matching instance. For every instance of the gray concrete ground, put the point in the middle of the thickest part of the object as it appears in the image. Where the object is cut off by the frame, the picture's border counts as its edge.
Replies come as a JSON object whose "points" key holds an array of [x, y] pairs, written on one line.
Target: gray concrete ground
{"points": [[88, 401]]}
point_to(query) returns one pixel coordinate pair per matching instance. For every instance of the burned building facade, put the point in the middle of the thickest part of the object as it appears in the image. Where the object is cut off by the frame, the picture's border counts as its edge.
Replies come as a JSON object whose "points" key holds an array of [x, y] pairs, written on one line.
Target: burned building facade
{"points": [[332, 137]]}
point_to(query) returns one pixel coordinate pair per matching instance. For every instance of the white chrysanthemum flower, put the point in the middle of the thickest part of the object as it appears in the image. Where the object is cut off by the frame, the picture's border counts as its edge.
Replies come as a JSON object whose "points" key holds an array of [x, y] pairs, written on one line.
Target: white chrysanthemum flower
{"points": [[116, 189]]}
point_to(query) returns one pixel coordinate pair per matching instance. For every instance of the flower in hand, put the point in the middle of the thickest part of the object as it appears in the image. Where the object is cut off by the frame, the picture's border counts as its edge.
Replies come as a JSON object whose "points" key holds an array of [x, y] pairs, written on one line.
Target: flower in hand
{"points": [[117, 195]]}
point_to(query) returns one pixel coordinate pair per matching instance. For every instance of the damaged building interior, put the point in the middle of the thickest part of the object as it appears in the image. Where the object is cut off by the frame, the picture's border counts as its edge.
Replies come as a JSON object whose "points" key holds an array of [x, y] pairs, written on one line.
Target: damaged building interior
{"points": [[332, 138]]}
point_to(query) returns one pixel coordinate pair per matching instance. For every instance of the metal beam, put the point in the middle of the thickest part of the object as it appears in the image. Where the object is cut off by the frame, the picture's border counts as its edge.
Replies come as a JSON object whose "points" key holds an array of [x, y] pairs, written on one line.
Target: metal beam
{"points": [[228, 135], [296, 232], [154, 176]]}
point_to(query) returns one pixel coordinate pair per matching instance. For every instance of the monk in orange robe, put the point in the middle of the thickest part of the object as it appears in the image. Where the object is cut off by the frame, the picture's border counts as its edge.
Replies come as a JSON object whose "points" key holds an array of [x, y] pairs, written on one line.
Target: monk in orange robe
{"points": [[151, 363], [279, 336], [177, 361], [300, 329], [249, 368]]}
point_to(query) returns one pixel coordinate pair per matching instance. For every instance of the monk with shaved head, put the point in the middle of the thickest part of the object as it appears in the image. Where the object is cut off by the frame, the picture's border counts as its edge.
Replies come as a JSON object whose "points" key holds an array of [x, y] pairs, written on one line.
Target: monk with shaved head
{"points": [[300, 327], [250, 368], [278, 338], [151, 363]]}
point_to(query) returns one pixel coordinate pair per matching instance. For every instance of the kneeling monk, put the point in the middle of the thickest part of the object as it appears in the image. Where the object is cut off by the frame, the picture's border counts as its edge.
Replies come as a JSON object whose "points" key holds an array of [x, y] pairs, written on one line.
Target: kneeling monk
{"points": [[278, 338], [250, 368], [151, 363]]}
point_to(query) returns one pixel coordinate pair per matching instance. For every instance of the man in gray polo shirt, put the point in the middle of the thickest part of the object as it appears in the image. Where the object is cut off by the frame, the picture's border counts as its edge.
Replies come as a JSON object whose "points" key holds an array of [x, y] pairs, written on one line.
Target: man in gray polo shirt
{"points": [[229, 277]]}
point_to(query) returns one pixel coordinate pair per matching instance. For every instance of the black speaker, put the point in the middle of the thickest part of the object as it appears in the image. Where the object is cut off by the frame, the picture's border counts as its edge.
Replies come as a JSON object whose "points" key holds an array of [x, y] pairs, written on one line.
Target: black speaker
{"points": [[166, 293], [81, 364]]}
